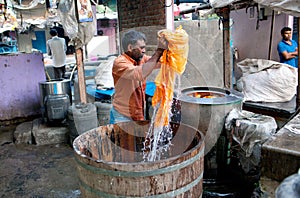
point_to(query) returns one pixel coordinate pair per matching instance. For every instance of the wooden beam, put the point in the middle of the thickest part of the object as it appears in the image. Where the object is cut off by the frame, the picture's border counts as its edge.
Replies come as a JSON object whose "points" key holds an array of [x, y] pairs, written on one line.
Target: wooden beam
{"points": [[242, 4], [227, 66], [271, 35], [80, 73], [298, 88]]}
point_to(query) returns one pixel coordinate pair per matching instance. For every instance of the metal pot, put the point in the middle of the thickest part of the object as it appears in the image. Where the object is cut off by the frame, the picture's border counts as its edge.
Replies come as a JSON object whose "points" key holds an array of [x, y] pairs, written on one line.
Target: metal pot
{"points": [[55, 87], [205, 108]]}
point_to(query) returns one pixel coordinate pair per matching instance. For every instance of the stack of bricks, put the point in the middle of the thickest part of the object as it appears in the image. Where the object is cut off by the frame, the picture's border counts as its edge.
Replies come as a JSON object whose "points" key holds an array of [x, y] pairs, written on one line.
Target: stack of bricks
{"points": [[146, 16]]}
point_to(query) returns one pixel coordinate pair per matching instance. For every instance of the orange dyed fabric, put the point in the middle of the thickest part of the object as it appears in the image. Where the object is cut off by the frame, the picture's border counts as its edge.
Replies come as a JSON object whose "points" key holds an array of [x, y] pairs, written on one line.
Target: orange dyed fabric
{"points": [[173, 61]]}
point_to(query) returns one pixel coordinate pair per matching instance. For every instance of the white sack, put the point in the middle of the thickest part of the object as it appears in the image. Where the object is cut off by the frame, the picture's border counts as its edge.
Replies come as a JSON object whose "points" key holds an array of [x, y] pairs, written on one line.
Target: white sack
{"points": [[267, 81], [103, 77]]}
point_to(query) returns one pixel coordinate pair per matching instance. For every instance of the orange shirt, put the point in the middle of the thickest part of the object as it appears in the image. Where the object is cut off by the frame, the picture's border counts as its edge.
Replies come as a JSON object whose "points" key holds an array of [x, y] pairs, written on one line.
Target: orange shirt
{"points": [[129, 97]]}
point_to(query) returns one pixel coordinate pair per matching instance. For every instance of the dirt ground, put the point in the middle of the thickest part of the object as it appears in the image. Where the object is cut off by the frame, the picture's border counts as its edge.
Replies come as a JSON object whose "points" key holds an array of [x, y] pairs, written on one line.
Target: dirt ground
{"points": [[36, 171], [33, 171]]}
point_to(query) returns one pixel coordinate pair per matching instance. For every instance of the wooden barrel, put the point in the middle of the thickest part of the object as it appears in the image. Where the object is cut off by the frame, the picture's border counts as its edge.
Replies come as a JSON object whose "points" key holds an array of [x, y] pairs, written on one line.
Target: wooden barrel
{"points": [[110, 162]]}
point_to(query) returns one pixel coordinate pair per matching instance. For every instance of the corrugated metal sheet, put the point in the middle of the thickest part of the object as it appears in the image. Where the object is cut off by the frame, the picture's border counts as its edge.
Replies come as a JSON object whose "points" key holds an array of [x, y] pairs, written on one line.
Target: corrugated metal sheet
{"points": [[290, 7], [191, 1]]}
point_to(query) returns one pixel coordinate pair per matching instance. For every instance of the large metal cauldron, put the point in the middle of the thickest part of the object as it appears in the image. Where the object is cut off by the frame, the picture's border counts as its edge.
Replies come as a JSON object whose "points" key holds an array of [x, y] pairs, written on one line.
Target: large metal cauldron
{"points": [[205, 108]]}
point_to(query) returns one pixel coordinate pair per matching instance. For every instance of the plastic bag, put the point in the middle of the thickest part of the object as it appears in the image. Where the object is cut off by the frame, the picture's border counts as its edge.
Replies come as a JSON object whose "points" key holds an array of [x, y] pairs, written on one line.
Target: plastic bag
{"points": [[250, 131], [80, 33]]}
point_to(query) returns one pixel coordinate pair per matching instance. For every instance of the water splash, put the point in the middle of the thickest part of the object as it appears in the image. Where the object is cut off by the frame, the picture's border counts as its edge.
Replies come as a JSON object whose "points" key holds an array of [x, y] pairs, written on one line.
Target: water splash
{"points": [[158, 138]]}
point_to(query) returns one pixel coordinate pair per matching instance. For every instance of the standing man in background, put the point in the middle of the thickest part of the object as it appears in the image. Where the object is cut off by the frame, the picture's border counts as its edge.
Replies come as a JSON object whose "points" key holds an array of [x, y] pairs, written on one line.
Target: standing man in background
{"points": [[287, 48], [56, 48]]}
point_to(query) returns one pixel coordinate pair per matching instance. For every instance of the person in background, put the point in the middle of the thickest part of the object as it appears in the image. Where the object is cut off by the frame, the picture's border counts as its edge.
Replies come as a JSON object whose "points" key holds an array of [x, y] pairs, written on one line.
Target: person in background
{"points": [[56, 48], [130, 71], [287, 48]]}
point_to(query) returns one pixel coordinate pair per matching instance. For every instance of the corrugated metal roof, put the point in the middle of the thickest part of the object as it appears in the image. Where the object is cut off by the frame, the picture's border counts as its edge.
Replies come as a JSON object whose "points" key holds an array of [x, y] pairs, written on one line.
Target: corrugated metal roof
{"points": [[290, 7], [191, 1]]}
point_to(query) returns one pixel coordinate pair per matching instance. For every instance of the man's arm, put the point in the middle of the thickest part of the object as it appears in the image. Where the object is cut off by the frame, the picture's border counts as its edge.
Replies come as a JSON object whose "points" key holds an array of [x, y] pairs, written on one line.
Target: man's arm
{"points": [[290, 55], [48, 50], [153, 62], [65, 46]]}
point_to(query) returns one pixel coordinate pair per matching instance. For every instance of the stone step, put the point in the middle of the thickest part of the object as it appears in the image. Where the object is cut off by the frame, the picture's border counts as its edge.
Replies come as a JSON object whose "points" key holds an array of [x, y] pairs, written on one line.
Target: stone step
{"points": [[39, 133]]}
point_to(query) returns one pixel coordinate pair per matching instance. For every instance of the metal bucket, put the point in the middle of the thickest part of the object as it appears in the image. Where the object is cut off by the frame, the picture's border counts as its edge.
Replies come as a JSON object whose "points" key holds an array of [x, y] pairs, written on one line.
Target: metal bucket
{"points": [[55, 87], [205, 108], [110, 162]]}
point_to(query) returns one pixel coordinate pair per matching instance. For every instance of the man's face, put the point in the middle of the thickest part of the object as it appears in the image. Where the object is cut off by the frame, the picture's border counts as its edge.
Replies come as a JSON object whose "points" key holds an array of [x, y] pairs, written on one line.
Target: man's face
{"points": [[138, 50], [287, 35]]}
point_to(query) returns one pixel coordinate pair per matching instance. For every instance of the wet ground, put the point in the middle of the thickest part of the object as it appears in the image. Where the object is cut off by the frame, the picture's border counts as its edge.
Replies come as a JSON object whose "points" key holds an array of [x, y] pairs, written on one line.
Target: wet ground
{"points": [[36, 171], [50, 171]]}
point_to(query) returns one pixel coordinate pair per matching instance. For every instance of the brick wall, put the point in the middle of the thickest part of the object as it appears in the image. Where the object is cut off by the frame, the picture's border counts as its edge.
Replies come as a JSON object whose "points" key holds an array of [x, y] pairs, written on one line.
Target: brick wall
{"points": [[147, 16]]}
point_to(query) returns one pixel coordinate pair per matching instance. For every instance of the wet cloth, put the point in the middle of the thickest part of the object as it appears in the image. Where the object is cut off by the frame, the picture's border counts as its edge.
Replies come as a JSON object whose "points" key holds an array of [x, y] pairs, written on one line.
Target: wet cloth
{"points": [[173, 62]]}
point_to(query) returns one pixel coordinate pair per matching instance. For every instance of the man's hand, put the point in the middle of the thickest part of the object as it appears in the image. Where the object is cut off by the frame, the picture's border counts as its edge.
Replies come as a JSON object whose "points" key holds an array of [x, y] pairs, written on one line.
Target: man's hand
{"points": [[162, 43]]}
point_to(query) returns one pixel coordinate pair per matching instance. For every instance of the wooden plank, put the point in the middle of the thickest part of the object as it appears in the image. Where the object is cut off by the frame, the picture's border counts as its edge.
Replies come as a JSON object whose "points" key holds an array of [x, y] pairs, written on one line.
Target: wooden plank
{"points": [[271, 35], [227, 66], [298, 88], [80, 73]]}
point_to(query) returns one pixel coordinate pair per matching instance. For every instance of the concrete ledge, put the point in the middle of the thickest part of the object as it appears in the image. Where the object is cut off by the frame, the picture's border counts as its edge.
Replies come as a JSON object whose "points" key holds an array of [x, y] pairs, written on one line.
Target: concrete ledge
{"points": [[23, 134], [281, 155], [45, 135], [39, 133]]}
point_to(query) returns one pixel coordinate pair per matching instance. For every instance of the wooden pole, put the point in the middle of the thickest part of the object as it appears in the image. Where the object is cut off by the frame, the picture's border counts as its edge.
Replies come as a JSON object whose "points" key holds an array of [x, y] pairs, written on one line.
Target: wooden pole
{"points": [[298, 88], [80, 73], [227, 66], [271, 35]]}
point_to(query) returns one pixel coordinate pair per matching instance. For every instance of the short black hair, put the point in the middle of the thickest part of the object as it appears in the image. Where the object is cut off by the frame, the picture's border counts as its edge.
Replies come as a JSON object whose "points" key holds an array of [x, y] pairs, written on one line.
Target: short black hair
{"points": [[285, 29], [53, 32], [131, 37]]}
